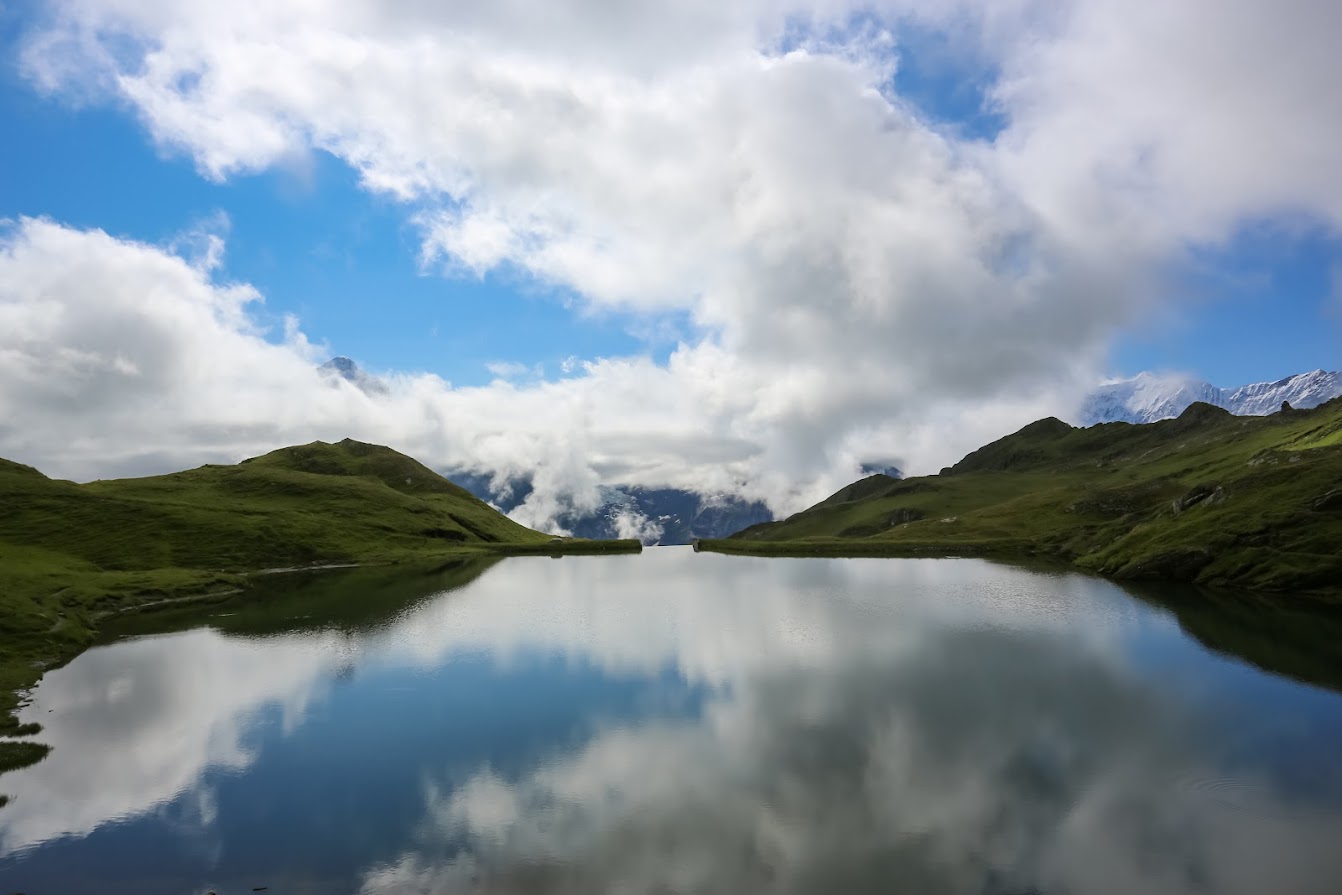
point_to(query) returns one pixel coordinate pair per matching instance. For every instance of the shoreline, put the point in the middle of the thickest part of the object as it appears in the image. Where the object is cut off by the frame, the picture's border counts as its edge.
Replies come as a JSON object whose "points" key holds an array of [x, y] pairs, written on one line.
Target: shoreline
{"points": [[1012, 552], [28, 657]]}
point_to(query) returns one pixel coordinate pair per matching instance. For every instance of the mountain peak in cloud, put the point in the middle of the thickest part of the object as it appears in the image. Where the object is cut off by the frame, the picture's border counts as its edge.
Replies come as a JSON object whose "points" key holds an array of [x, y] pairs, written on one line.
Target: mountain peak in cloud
{"points": [[345, 368], [655, 516]]}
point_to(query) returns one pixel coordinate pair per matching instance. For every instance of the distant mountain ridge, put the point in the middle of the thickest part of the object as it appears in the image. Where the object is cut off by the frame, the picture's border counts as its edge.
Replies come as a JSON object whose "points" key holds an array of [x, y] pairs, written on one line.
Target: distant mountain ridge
{"points": [[651, 515], [1147, 398], [655, 516]]}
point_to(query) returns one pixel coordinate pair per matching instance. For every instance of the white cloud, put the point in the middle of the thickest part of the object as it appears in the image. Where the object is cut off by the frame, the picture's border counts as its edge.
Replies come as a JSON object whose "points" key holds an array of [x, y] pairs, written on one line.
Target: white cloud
{"points": [[858, 282], [507, 369], [120, 358], [1178, 121], [630, 523]]}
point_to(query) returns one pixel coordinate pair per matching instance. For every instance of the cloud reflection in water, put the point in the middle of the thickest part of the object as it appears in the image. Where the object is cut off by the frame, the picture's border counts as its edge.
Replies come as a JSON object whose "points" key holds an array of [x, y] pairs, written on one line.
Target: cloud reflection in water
{"points": [[866, 725], [978, 762]]}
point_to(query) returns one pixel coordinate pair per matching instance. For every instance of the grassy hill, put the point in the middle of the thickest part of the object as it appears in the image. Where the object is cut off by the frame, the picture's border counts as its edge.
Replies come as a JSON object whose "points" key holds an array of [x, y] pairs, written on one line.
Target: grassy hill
{"points": [[1211, 498], [71, 554]]}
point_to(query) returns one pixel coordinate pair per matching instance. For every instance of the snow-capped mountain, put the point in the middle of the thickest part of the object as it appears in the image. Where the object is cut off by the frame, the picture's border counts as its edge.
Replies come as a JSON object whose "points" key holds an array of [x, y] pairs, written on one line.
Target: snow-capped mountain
{"points": [[653, 515], [1304, 390], [1146, 398]]}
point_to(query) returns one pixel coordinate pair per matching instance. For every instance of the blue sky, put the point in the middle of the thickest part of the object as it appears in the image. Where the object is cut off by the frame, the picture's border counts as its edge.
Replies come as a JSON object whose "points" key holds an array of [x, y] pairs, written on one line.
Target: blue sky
{"points": [[1264, 307], [732, 247]]}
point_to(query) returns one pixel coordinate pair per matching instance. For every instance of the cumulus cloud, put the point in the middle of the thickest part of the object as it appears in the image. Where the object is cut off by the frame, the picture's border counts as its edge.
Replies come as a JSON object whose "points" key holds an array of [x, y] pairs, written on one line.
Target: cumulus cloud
{"points": [[858, 280], [121, 358], [630, 523]]}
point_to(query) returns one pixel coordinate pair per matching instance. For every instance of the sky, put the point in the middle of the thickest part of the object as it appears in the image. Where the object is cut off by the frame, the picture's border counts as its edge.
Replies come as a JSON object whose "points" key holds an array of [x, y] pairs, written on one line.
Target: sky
{"points": [[739, 247]]}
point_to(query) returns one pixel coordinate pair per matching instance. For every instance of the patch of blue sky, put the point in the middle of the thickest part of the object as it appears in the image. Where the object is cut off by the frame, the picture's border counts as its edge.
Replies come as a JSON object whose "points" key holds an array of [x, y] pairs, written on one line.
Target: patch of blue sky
{"points": [[307, 236], [948, 85], [941, 78], [1265, 305]]}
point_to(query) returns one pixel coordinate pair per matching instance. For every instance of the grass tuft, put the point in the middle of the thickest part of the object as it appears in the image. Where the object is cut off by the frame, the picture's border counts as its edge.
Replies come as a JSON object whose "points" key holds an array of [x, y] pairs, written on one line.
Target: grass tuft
{"points": [[20, 755]]}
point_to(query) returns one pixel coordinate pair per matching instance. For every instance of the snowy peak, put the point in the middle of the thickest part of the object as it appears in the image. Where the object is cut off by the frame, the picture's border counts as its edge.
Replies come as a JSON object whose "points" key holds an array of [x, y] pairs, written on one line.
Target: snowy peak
{"points": [[1146, 398], [1304, 390]]}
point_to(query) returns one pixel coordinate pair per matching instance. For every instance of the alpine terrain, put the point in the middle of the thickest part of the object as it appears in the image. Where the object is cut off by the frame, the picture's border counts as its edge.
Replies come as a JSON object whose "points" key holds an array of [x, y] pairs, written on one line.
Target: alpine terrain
{"points": [[1147, 398]]}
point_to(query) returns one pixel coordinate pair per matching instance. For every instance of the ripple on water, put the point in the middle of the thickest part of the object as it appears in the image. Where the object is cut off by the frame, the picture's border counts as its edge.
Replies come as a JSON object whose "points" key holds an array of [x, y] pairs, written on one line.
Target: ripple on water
{"points": [[1256, 798]]}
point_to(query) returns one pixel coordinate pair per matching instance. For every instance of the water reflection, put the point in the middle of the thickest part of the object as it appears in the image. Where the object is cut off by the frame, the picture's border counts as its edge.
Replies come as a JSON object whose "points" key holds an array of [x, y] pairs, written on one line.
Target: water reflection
{"points": [[359, 599], [1300, 641], [1033, 769], [671, 722], [135, 724]]}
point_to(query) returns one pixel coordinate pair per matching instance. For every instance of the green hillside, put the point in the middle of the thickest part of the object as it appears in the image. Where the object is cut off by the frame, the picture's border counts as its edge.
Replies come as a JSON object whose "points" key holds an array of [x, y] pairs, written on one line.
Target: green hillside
{"points": [[1211, 498], [71, 554]]}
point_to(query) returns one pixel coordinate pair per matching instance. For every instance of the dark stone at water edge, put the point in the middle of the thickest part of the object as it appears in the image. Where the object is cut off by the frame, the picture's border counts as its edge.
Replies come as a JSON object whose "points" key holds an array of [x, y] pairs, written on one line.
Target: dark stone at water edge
{"points": [[1330, 502]]}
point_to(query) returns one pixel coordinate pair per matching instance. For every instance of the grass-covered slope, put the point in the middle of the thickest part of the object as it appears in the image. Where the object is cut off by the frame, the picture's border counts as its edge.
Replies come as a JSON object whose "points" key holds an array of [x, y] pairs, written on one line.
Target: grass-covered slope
{"points": [[70, 554], [1253, 502], [317, 503]]}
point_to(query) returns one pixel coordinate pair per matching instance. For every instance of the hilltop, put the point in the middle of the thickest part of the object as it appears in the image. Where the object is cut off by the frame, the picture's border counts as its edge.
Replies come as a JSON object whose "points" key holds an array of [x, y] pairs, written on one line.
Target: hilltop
{"points": [[72, 554], [1208, 498]]}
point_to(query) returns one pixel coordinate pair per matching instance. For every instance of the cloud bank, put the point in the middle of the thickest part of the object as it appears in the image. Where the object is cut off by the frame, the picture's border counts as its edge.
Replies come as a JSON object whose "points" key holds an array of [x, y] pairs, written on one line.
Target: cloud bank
{"points": [[860, 279]]}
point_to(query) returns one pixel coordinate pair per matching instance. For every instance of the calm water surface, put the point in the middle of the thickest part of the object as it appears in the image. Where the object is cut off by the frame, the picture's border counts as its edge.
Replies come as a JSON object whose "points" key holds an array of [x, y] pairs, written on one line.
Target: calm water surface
{"points": [[675, 722]]}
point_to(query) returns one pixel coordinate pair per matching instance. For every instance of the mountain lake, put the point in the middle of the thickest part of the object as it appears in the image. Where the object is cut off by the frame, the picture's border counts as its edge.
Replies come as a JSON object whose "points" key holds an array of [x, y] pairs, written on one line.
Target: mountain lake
{"points": [[675, 722]]}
